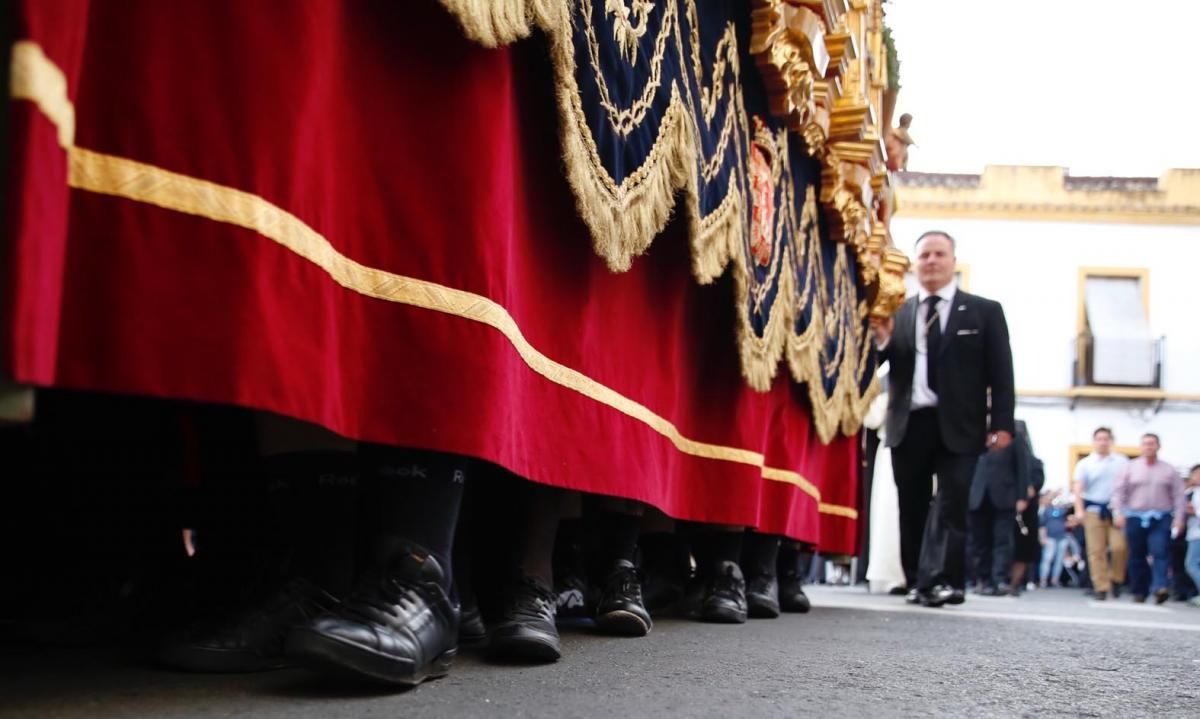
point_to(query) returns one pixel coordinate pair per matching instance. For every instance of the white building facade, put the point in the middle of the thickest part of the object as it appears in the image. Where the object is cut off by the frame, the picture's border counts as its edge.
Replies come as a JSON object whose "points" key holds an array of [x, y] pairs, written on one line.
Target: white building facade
{"points": [[1100, 283]]}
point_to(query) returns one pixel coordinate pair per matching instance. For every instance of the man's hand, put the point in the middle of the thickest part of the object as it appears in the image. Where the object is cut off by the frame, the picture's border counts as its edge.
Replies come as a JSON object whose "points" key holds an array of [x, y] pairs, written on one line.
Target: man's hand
{"points": [[1176, 529], [883, 331], [999, 440], [1118, 520], [1022, 505]]}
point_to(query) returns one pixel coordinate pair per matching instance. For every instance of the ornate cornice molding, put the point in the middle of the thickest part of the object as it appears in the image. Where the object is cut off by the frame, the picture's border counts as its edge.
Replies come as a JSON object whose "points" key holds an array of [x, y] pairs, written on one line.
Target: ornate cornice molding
{"points": [[1048, 193]]}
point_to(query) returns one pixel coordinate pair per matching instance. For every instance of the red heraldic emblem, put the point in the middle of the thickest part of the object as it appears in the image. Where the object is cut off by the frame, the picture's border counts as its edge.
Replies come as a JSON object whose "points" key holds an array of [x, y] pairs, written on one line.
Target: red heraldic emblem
{"points": [[762, 191]]}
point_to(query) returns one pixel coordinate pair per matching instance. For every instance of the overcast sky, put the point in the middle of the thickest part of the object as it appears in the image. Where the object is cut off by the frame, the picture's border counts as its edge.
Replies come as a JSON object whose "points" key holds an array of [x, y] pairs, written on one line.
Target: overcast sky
{"points": [[1102, 87]]}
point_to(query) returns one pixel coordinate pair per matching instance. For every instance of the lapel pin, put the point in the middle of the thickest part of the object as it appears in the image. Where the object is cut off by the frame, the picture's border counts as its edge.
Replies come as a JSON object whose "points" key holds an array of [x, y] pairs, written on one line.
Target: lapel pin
{"points": [[961, 308]]}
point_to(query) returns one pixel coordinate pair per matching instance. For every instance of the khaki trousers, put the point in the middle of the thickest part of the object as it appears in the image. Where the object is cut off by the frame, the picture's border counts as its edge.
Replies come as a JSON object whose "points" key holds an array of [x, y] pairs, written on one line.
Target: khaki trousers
{"points": [[1101, 537]]}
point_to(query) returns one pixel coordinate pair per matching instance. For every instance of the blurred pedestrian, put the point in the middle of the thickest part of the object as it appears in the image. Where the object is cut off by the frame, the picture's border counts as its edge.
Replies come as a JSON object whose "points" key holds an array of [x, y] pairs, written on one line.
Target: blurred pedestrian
{"points": [[1055, 540], [1094, 478], [1192, 509], [1148, 503], [999, 492]]}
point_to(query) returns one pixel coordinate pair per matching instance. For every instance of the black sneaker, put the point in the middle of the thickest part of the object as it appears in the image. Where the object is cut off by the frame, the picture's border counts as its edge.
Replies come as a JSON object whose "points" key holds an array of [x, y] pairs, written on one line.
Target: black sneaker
{"points": [[253, 640], [526, 631], [725, 598], [762, 597], [620, 610], [792, 598], [398, 627], [471, 629], [1161, 596]]}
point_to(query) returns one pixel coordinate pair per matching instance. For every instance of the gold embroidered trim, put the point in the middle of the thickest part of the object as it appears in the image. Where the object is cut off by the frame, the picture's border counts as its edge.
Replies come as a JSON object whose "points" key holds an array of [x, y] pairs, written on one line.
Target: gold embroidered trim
{"points": [[35, 78], [121, 177], [624, 218], [838, 510]]}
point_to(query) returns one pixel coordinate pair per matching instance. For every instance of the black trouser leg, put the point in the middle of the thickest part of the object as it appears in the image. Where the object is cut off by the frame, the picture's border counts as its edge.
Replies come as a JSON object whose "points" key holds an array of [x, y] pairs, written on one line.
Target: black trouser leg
{"points": [[418, 495], [618, 527], [943, 548], [313, 496], [712, 544], [760, 553], [912, 465], [1002, 544], [980, 544]]}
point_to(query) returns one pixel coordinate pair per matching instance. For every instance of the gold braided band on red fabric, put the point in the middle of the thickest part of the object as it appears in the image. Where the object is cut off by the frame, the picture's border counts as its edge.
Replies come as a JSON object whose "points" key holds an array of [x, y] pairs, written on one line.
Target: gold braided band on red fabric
{"points": [[37, 79]]}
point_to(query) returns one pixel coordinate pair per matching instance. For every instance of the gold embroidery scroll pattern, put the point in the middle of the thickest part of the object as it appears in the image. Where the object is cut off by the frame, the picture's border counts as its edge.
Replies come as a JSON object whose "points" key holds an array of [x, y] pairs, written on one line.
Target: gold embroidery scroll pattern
{"points": [[725, 54], [625, 121], [44, 84], [625, 32]]}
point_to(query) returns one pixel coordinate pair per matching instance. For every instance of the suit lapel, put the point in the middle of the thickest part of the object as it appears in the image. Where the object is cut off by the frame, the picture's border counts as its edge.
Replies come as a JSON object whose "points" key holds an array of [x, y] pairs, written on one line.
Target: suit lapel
{"points": [[910, 321], [956, 318]]}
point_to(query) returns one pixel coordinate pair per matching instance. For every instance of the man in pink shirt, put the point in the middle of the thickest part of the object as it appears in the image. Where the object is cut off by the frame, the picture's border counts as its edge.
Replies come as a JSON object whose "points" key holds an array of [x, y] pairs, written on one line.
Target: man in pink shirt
{"points": [[1148, 503]]}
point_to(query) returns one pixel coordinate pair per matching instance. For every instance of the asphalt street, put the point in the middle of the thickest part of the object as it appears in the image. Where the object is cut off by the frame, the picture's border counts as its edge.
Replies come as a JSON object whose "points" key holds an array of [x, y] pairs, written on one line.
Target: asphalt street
{"points": [[1048, 653]]}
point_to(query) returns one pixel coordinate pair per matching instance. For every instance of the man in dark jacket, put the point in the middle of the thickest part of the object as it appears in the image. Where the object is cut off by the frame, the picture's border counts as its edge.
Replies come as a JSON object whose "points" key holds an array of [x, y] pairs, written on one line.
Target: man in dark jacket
{"points": [[949, 351], [999, 491]]}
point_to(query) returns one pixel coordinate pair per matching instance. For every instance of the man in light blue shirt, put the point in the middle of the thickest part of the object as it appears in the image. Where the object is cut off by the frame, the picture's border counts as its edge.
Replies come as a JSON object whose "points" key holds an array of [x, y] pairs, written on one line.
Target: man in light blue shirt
{"points": [[1094, 477]]}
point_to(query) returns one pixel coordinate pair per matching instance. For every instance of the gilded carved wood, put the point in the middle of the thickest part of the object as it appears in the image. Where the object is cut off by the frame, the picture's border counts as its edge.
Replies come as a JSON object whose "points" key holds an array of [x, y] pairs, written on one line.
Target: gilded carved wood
{"points": [[823, 66]]}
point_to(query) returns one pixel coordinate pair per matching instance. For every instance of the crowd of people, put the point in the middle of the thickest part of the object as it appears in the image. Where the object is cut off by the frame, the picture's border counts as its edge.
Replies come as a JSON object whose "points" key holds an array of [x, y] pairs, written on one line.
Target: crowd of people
{"points": [[1123, 526]]}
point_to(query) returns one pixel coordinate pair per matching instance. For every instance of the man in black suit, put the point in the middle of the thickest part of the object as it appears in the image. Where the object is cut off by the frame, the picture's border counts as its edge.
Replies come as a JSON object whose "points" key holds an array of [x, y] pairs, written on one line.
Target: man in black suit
{"points": [[948, 350], [1001, 488]]}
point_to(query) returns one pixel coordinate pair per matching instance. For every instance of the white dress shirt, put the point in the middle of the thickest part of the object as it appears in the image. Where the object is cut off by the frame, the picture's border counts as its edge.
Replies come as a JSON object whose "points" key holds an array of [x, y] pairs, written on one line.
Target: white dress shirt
{"points": [[922, 396]]}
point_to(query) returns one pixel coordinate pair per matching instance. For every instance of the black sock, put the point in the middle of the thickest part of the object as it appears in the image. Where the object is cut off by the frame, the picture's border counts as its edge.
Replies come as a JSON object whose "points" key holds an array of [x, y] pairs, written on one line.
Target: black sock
{"points": [[569, 551], [418, 495], [618, 537], [313, 497], [666, 554], [712, 546], [759, 554]]}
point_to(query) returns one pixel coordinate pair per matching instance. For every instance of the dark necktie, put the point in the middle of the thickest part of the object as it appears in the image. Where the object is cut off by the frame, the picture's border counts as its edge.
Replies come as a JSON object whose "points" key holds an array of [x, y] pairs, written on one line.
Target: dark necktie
{"points": [[933, 341]]}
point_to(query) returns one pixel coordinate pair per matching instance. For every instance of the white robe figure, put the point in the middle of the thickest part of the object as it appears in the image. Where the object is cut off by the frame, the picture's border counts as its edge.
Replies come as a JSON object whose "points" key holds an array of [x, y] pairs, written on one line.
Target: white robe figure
{"points": [[884, 570]]}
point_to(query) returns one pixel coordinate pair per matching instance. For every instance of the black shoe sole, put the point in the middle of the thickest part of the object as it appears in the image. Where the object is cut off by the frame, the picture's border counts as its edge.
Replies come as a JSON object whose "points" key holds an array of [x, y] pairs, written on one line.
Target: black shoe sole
{"points": [[762, 610], [622, 623], [795, 608], [722, 615], [525, 648], [325, 654], [471, 639], [218, 661]]}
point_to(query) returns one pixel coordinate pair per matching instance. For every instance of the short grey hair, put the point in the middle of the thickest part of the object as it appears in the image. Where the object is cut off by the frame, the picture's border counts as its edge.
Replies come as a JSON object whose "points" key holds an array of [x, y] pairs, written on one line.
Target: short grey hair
{"points": [[943, 233]]}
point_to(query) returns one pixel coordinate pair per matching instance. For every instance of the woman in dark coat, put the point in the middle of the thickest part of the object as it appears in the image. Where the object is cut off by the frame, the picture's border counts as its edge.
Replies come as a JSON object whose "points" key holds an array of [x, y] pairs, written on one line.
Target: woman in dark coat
{"points": [[1027, 547]]}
